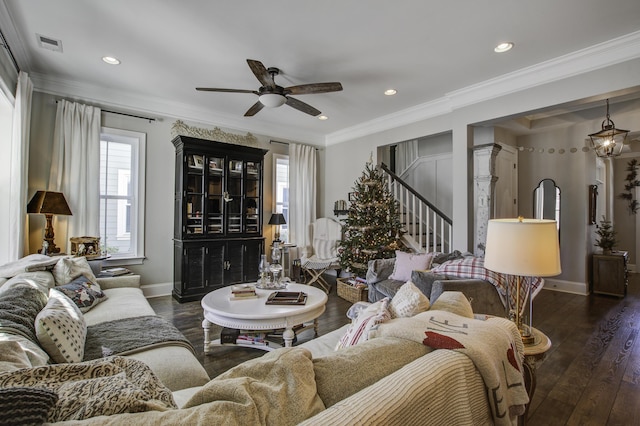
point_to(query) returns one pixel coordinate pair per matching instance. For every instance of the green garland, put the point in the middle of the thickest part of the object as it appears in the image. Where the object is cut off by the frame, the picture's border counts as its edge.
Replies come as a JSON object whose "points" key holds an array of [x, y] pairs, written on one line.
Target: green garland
{"points": [[632, 182]]}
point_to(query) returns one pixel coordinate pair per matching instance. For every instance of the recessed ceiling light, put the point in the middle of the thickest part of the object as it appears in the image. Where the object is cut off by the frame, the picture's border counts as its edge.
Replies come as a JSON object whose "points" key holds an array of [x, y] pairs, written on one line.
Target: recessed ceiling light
{"points": [[111, 60], [503, 47], [390, 92], [323, 117]]}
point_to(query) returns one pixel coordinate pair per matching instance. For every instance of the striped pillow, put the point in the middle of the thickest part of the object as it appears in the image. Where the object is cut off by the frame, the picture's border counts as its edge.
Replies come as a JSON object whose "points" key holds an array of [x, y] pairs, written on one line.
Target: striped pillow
{"points": [[25, 406], [366, 321]]}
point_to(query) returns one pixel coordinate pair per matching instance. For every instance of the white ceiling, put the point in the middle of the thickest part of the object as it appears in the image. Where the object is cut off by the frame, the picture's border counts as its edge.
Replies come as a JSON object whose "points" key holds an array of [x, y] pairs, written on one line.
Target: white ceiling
{"points": [[428, 50]]}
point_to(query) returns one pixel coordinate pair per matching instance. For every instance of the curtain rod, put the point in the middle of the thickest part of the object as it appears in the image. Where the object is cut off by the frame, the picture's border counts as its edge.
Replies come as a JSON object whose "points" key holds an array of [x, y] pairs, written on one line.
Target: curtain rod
{"points": [[287, 143], [149, 119], [5, 44]]}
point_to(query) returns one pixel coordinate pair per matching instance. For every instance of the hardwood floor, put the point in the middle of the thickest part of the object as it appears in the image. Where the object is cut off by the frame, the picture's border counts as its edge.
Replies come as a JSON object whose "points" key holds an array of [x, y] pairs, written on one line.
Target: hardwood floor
{"points": [[590, 376], [187, 317]]}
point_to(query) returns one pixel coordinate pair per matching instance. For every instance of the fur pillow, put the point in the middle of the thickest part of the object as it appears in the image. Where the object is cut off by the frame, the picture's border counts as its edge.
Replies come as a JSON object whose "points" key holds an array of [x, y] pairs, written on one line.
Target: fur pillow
{"points": [[407, 262], [455, 302], [408, 301], [61, 329], [69, 268]]}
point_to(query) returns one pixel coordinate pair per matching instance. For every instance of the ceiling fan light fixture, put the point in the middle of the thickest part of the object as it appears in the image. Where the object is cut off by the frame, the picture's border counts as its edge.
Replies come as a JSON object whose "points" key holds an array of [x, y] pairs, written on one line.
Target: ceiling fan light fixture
{"points": [[272, 100], [609, 141]]}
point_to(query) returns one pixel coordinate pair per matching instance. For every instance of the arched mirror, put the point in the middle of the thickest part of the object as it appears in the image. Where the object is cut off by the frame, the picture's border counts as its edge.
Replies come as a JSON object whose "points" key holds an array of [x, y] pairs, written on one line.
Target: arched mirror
{"points": [[546, 201]]}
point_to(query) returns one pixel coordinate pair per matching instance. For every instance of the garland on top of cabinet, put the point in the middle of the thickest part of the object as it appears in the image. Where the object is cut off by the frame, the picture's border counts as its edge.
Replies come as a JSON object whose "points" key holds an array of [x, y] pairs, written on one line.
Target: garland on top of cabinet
{"points": [[632, 182], [179, 128]]}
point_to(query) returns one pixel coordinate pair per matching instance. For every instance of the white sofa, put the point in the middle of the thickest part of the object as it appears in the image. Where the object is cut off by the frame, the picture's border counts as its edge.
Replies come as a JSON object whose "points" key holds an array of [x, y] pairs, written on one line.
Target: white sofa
{"points": [[175, 366], [391, 379]]}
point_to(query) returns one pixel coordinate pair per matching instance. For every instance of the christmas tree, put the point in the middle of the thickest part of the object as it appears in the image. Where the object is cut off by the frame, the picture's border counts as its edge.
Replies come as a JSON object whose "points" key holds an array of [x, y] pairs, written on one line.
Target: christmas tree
{"points": [[372, 228]]}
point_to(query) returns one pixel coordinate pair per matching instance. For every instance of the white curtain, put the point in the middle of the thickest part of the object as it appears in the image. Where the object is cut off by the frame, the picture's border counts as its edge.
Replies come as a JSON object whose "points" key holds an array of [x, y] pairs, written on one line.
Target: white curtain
{"points": [[18, 245], [75, 166], [302, 193], [406, 153]]}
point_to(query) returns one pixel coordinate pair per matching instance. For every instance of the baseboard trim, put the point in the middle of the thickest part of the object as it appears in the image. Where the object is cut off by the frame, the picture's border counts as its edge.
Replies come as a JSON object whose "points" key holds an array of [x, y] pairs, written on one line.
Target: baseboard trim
{"points": [[157, 290], [566, 286]]}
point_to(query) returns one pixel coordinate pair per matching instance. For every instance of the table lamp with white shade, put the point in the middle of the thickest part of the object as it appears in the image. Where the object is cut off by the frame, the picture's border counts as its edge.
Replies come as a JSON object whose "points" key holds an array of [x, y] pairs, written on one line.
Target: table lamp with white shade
{"points": [[523, 248]]}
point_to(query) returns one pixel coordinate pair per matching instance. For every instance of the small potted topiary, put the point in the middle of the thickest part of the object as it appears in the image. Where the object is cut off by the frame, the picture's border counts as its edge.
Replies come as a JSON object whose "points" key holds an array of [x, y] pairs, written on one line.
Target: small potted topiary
{"points": [[607, 236]]}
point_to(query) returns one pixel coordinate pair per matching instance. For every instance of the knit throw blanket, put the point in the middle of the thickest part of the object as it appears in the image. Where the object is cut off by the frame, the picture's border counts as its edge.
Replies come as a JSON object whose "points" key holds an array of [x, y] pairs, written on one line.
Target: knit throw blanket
{"points": [[494, 345], [130, 335]]}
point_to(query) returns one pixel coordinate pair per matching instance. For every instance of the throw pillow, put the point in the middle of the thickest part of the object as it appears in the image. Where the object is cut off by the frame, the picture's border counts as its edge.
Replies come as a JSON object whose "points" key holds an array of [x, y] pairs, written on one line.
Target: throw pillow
{"points": [[365, 322], [408, 301], [343, 373], [69, 268], [83, 293], [25, 406], [455, 302], [407, 262], [61, 329]]}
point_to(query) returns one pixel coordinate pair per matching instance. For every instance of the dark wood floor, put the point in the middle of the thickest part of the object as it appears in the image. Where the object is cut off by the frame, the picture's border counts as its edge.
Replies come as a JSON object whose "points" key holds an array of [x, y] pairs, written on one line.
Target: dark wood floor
{"points": [[590, 376]]}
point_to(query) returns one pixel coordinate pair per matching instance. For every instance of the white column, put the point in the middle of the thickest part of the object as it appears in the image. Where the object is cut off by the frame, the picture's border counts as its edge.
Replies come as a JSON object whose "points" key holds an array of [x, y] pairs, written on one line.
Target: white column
{"points": [[484, 160]]}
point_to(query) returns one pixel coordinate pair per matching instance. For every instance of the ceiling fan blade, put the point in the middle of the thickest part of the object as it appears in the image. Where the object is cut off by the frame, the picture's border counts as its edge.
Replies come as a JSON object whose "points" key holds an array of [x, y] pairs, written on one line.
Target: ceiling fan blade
{"points": [[213, 89], [255, 108], [305, 89], [301, 106], [261, 73]]}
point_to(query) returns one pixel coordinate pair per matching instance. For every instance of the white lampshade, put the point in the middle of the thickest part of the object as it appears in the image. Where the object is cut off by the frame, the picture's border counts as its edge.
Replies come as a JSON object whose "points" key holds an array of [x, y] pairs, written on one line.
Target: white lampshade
{"points": [[272, 100], [524, 247]]}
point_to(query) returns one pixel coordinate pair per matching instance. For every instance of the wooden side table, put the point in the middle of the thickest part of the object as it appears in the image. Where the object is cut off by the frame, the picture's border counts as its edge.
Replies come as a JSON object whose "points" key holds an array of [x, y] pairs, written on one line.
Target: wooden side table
{"points": [[533, 354], [610, 272]]}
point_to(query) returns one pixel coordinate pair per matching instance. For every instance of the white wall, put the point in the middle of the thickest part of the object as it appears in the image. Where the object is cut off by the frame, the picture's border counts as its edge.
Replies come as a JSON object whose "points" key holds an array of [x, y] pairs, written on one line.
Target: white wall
{"points": [[347, 156]]}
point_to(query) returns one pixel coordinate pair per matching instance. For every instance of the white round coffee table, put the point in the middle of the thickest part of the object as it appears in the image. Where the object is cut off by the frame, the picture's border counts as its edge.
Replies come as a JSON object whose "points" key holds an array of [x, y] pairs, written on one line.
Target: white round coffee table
{"points": [[255, 315]]}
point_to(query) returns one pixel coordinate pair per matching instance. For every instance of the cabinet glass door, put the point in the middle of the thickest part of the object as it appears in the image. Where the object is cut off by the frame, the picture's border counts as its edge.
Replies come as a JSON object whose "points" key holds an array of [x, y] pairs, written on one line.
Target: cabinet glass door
{"points": [[252, 198], [194, 194], [215, 195], [234, 196]]}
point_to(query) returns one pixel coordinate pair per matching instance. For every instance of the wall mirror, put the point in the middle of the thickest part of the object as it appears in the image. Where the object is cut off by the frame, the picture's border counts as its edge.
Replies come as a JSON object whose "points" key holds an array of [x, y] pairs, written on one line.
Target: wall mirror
{"points": [[546, 201]]}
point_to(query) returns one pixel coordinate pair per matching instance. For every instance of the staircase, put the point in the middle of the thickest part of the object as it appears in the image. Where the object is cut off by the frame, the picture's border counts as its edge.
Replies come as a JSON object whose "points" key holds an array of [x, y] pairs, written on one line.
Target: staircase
{"points": [[427, 228]]}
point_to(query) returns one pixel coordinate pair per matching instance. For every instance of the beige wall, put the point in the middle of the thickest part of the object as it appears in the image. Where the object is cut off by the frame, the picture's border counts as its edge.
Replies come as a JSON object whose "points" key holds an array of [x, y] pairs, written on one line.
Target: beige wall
{"points": [[157, 267]]}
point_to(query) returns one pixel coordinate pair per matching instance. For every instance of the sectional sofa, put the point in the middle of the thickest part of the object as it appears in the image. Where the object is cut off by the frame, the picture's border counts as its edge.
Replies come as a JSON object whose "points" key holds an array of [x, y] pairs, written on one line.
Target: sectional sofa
{"points": [[391, 377]]}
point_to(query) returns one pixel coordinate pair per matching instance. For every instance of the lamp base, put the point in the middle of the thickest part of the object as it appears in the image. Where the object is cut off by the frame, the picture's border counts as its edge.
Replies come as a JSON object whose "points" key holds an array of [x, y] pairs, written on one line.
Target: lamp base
{"points": [[51, 248], [528, 340]]}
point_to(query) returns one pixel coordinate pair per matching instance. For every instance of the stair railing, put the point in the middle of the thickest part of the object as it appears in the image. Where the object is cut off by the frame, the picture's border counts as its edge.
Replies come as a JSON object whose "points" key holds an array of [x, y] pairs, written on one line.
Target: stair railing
{"points": [[427, 228]]}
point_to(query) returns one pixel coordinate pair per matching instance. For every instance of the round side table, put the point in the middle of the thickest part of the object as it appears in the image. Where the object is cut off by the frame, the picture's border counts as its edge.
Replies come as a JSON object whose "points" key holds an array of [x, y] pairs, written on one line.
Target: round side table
{"points": [[533, 354]]}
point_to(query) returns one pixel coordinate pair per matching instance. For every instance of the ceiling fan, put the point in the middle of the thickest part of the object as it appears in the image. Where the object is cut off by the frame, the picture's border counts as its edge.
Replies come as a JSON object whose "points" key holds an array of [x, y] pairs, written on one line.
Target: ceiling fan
{"points": [[271, 95]]}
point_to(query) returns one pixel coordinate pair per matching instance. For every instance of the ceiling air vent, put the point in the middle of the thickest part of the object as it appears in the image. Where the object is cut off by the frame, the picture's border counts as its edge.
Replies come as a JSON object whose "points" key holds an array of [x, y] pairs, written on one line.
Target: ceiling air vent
{"points": [[49, 43]]}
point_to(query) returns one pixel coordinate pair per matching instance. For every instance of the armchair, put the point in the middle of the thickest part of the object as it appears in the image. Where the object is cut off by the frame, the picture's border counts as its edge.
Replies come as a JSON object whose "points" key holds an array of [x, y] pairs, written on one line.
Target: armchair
{"points": [[325, 234]]}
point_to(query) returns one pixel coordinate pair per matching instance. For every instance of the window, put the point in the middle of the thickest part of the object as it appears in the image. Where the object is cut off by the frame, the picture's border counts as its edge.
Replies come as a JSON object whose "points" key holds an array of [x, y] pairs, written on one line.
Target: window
{"points": [[281, 189], [122, 193]]}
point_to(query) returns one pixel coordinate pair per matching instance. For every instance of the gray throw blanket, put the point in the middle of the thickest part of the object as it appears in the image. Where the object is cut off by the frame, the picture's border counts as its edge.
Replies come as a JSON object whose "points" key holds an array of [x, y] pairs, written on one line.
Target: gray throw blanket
{"points": [[18, 310], [130, 335]]}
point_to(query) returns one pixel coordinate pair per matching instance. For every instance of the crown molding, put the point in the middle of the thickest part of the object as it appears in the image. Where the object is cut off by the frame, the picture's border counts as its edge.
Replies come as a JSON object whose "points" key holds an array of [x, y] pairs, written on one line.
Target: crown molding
{"points": [[595, 57], [161, 108], [599, 56]]}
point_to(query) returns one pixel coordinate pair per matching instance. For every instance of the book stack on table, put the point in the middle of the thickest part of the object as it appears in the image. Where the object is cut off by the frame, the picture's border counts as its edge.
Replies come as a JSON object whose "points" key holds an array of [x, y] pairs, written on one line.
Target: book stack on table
{"points": [[243, 337], [243, 291]]}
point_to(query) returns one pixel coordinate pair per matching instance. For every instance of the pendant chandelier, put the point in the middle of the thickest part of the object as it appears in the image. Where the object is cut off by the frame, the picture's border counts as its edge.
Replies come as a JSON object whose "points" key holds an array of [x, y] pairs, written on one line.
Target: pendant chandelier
{"points": [[609, 141]]}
